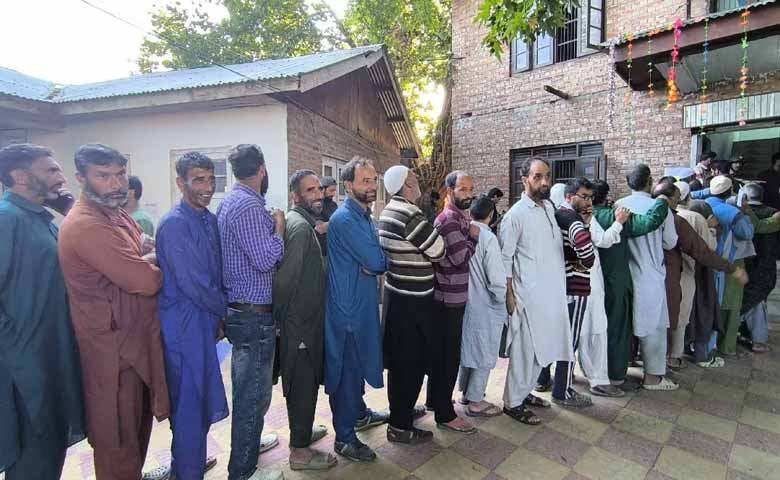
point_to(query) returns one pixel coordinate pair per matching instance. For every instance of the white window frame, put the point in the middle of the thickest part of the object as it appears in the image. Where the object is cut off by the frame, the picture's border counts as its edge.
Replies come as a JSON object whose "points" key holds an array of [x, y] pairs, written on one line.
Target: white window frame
{"points": [[337, 166], [217, 154]]}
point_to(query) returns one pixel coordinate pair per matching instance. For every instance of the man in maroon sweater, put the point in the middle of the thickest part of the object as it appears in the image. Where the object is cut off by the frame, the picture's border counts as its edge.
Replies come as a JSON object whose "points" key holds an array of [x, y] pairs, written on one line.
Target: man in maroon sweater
{"points": [[451, 283], [573, 218]]}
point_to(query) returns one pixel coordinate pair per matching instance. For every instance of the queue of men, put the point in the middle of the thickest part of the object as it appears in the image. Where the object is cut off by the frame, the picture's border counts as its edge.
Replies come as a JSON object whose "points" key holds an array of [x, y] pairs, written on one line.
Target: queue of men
{"points": [[125, 327]]}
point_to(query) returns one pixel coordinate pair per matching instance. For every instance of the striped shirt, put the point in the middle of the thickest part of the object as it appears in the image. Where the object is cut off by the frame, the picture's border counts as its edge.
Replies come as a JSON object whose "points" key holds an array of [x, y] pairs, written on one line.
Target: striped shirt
{"points": [[251, 250], [451, 280], [411, 244], [577, 251]]}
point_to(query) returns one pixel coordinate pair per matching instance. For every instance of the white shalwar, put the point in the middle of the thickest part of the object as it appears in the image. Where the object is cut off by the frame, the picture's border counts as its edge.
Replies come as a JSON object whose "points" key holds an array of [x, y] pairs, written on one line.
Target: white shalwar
{"points": [[539, 332], [593, 338]]}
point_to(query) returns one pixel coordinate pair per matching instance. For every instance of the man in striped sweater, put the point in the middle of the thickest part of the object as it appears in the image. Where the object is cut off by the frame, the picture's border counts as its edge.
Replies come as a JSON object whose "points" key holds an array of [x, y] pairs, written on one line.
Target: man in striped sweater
{"points": [[411, 245], [451, 285], [573, 218]]}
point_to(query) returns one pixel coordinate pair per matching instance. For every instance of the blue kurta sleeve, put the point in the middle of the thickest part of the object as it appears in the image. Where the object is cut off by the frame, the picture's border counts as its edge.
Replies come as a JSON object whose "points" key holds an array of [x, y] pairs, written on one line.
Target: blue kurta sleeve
{"points": [[700, 194], [362, 243], [189, 266], [742, 227]]}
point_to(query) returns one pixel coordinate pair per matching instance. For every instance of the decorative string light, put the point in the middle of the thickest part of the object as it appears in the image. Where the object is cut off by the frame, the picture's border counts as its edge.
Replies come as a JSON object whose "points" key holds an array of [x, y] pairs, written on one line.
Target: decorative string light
{"points": [[673, 93], [612, 87], [650, 90], [743, 79], [706, 60]]}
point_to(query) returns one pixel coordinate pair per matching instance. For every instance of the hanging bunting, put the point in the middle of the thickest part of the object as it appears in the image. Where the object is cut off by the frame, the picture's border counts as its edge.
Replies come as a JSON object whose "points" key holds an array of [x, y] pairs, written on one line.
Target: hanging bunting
{"points": [[705, 61], [650, 90], [743, 79], [612, 87], [629, 65], [673, 93]]}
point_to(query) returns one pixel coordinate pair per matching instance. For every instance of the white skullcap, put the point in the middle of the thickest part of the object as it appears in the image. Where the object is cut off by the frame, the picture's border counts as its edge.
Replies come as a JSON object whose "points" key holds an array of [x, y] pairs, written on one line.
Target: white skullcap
{"points": [[720, 184], [684, 188], [556, 194], [394, 178]]}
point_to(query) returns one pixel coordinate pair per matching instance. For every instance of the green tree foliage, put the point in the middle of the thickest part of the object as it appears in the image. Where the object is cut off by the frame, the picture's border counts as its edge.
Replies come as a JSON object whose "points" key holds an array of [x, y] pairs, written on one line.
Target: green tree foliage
{"points": [[506, 19], [252, 30]]}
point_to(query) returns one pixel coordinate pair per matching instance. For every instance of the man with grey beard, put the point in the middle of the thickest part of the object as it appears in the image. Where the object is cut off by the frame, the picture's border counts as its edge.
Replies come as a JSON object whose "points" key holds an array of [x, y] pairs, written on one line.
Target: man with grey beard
{"points": [[112, 284]]}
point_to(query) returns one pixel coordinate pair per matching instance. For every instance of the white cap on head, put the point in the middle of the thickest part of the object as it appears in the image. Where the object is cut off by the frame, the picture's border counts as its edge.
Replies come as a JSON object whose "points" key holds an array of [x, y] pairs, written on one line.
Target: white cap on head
{"points": [[684, 189], [394, 178], [557, 194], [720, 184]]}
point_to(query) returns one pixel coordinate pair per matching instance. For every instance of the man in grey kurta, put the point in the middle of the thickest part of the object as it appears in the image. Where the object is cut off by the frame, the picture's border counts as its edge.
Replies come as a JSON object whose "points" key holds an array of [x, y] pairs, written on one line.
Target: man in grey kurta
{"points": [[648, 274], [532, 251], [299, 311], [485, 314]]}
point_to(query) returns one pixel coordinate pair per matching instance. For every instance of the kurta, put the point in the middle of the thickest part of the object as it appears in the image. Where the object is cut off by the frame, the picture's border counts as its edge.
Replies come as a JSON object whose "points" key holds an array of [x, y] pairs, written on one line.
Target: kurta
{"points": [[192, 303], [355, 258], [299, 296], [39, 363], [595, 319], [690, 243], [486, 308], [688, 277], [646, 263], [113, 303], [532, 251], [761, 269]]}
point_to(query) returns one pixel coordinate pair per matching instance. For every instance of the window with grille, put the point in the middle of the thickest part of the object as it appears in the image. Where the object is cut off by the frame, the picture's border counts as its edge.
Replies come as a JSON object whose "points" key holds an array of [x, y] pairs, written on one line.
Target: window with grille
{"points": [[222, 172], [568, 161], [581, 34], [717, 6]]}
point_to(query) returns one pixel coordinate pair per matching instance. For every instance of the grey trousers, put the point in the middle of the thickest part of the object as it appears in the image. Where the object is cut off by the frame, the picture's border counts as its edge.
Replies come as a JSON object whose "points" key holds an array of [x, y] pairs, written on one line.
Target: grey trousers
{"points": [[654, 352], [756, 321], [473, 383]]}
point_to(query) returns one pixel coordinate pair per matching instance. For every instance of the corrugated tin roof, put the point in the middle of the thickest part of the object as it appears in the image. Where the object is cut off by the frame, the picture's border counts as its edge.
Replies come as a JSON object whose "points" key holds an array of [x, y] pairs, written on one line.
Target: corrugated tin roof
{"points": [[691, 21], [20, 85], [24, 86]]}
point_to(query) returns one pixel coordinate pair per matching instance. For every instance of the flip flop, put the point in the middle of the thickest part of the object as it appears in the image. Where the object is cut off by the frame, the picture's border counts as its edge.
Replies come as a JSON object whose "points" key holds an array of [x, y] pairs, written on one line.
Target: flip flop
{"points": [[447, 426], [491, 411], [665, 385], [533, 401], [676, 363], [319, 461]]}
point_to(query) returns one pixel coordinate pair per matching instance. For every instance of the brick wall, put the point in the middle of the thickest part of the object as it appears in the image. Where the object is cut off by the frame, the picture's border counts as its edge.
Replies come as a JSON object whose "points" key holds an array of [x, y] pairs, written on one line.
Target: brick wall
{"points": [[495, 112]]}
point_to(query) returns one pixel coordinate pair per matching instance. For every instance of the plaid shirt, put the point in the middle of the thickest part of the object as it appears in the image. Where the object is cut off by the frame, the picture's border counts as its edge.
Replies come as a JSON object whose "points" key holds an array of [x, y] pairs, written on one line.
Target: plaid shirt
{"points": [[251, 250]]}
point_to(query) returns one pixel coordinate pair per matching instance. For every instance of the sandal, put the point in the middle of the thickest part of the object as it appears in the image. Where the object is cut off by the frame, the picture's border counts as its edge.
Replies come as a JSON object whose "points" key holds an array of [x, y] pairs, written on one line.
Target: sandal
{"points": [[465, 427], [665, 385], [676, 363], [318, 461], [533, 401], [523, 415], [761, 348], [714, 362], [490, 411]]}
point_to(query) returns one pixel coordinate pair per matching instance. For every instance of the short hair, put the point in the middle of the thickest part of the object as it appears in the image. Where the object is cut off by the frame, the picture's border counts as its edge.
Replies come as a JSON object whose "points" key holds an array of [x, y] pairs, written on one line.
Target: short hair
{"points": [[701, 207], [246, 160], [723, 166], [297, 176], [19, 156], [754, 192], [775, 158], [326, 182], [435, 196], [97, 154], [665, 188], [600, 192], [481, 207], [452, 178], [134, 184], [495, 192], [573, 186], [525, 167], [707, 156], [667, 178], [348, 172], [192, 160], [638, 177]]}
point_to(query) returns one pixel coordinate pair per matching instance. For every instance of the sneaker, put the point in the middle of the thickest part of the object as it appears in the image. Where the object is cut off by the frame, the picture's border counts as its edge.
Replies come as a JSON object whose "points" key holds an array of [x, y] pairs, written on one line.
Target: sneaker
{"points": [[629, 385], [607, 391], [419, 412], [544, 387], [574, 399], [411, 437], [356, 451], [159, 473], [261, 474], [372, 419]]}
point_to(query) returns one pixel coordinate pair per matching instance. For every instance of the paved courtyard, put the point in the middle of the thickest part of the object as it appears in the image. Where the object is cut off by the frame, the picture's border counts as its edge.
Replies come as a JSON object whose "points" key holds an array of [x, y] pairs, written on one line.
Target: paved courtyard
{"points": [[722, 424]]}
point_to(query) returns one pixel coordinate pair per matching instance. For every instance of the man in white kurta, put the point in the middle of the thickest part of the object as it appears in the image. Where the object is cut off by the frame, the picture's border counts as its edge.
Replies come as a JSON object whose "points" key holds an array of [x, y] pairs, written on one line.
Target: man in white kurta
{"points": [[648, 274], [532, 251], [485, 314]]}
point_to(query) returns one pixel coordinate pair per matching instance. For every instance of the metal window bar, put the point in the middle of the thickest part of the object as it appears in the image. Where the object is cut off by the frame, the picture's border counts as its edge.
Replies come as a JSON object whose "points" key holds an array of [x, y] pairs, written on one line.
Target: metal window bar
{"points": [[566, 37]]}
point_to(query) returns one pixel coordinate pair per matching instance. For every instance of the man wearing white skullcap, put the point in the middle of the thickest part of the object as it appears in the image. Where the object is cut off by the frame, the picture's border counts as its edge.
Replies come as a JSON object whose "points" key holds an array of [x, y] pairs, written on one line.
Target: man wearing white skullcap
{"points": [[411, 245]]}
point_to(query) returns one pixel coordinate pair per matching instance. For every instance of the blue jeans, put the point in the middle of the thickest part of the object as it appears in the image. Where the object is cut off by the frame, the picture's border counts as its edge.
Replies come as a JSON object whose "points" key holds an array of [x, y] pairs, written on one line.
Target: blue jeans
{"points": [[253, 336]]}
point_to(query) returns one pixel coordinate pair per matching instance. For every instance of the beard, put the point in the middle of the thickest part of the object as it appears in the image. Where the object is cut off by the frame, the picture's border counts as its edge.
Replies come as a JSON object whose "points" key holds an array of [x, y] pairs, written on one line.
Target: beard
{"points": [[309, 207], [364, 197], [543, 193], [107, 201], [462, 203], [264, 186]]}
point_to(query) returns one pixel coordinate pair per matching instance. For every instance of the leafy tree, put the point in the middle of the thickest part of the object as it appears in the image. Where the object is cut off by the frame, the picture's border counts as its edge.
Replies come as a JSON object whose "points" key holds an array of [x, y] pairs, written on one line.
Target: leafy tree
{"points": [[506, 19]]}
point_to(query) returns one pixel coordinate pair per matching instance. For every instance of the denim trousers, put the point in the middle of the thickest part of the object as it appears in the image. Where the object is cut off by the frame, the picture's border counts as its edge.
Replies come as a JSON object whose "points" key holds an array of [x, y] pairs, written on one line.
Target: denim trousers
{"points": [[253, 336]]}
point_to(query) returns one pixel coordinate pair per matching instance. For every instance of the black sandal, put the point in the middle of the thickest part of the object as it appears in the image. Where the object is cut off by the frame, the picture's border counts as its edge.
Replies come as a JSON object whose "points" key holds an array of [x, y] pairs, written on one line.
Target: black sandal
{"points": [[523, 415], [533, 401]]}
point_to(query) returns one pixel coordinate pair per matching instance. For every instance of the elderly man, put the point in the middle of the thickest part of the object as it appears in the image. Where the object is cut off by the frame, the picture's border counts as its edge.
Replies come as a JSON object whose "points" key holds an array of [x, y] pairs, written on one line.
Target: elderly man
{"points": [[532, 250], [192, 306], [115, 315], [451, 284], [353, 343], [412, 246], [42, 414], [299, 310], [651, 315]]}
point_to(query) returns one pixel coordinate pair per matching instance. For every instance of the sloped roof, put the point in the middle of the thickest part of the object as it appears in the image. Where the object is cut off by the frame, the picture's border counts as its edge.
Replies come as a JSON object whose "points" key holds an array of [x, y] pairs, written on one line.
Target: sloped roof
{"points": [[24, 86]]}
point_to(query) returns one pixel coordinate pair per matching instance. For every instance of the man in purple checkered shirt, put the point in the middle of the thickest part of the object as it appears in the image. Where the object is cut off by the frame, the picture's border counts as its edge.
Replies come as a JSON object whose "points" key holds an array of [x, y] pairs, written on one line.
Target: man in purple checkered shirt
{"points": [[252, 247]]}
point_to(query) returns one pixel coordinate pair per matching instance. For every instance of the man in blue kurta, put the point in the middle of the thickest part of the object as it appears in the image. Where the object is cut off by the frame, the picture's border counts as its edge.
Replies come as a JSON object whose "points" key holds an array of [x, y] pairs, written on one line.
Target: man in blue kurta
{"points": [[192, 305], [353, 342], [41, 403]]}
